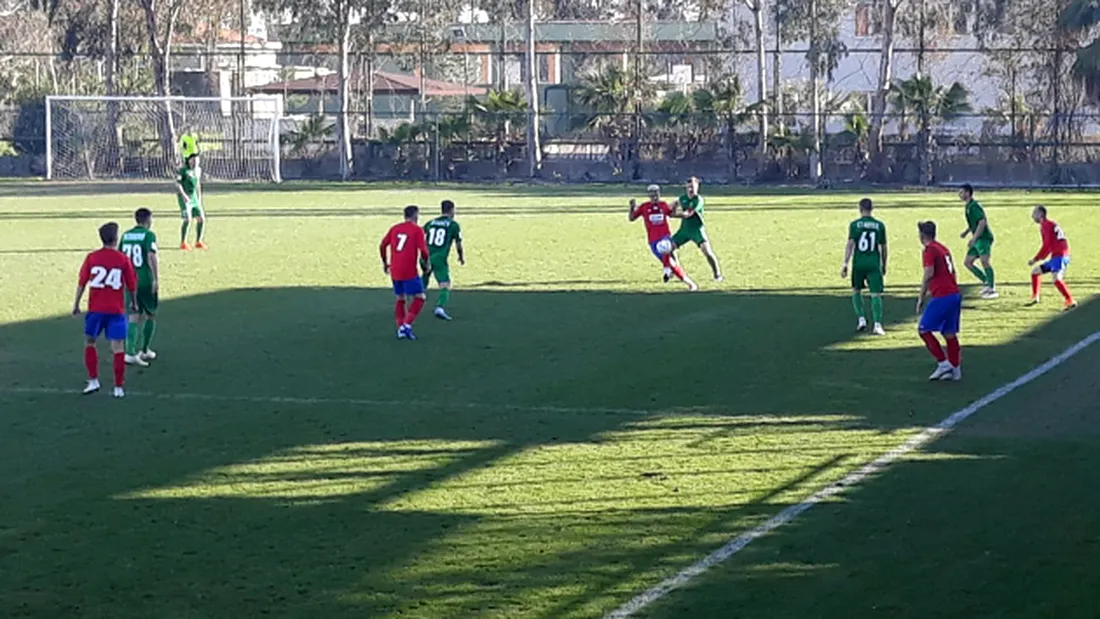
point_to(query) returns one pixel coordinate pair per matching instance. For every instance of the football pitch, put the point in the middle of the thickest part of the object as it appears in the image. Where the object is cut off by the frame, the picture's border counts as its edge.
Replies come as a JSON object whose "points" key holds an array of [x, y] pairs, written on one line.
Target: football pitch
{"points": [[578, 434]]}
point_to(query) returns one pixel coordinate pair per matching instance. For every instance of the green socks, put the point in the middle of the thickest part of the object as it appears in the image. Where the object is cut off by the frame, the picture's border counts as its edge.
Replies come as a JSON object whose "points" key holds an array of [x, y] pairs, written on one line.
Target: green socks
{"points": [[131, 338], [876, 309], [425, 279], [857, 304], [147, 336], [989, 276], [183, 230], [198, 231], [978, 273], [444, 297]]}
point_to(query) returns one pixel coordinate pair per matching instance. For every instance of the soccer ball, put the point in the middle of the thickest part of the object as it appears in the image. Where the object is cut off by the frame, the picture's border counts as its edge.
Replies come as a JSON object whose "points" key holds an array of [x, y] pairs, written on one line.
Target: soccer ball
{"points": [[664, 247]]}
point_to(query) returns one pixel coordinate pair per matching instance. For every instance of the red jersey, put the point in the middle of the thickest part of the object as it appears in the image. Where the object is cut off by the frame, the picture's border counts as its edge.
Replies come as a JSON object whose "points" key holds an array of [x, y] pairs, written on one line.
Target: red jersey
{"points": [[406, 243], [106, 272], [1055, 243], [655, 215], [943, 282]]}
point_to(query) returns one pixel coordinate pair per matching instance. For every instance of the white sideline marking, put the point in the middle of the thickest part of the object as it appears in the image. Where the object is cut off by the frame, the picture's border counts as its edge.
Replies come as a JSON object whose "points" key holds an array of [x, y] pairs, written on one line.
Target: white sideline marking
{"points": [[340, 401], [924, 437]]}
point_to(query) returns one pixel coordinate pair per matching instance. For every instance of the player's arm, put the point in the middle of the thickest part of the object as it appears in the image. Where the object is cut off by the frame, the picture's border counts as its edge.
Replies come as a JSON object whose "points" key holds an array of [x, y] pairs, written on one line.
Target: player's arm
{"points": [[154, 267], [129, 276], [885, 254], [929, 272], [81, 284], [633, 213], [849, 249], [978, 230], [384, 254], [1048, 246], [459, 250]]}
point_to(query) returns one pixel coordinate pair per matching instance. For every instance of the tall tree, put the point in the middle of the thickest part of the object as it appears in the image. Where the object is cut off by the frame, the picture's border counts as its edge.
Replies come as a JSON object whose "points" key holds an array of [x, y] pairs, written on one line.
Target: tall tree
{"points": [[888, 30], [759, 31]]}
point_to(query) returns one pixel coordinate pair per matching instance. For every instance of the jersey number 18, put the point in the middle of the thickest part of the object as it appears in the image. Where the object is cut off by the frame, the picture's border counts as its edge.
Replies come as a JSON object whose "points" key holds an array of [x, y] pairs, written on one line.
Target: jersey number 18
{"points": [[437, 237]]}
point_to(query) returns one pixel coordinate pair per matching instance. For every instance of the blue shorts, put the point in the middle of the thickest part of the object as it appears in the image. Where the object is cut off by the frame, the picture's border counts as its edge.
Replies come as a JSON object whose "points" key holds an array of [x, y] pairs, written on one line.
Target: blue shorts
{"points": [[410, 287], [113, 324], [942, 315], [1055, 265], [653, 246]]}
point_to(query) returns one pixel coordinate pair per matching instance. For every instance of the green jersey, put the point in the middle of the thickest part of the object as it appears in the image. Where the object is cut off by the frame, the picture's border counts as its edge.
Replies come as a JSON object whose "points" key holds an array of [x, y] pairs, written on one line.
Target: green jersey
{"points": [[188, 178], [441, 233], [869, 236], [693, 203], [138, 244], [974, 215]]}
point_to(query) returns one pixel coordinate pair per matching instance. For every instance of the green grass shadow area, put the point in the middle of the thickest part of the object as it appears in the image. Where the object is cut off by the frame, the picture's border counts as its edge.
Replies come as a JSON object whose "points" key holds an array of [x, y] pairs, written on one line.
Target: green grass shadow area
{"points": [[998, 519], [285, 456]]}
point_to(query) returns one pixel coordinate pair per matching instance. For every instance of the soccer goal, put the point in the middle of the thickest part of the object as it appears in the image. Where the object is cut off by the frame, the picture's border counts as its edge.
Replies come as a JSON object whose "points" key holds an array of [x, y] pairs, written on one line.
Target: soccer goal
{"points": [[99, 138]]}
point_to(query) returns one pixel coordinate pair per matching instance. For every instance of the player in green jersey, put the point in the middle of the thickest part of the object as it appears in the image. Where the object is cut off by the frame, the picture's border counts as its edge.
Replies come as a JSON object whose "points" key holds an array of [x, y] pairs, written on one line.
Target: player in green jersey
{"points": [[441, 233], [867, 245], [981, 242], [140, 246], [690, 209], [189, 198]]}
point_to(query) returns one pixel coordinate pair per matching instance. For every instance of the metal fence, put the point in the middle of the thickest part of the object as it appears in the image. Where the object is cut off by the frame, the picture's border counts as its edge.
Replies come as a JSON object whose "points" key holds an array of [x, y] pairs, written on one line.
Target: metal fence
{"points": [[1024, 121]]}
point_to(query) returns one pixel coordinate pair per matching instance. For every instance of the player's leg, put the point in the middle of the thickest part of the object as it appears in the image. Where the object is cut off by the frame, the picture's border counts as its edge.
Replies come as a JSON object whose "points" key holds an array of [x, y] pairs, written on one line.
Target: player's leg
{"points": [[950, 332], [116, 336], [971, 258], [399, 307], [876, 287], [991, 285], [708, 253], [149, 329], [200, 223], [416, 291], [133, 336], [1058, 274], [673, 265], [442, 273], [859, 276], [185, 223], [932, 321], [1036, 281], [92, 328]]}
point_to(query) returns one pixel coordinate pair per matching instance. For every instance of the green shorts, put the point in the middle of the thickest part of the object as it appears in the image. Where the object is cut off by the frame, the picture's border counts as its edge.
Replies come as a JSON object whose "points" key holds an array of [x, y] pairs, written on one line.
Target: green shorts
{"points": [[192, 206], [867, 276], [982, 247], [684, 236], [441, 270], [147, 300]]}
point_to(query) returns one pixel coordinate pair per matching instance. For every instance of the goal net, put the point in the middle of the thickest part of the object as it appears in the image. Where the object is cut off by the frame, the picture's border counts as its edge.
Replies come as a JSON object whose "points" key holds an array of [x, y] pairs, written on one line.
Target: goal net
{"points": [[139, 137]]}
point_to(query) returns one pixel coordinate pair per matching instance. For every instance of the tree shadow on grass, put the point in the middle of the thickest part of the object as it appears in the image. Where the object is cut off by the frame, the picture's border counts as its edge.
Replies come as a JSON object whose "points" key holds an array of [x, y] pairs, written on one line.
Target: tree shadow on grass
{"points": [[545, 455]]}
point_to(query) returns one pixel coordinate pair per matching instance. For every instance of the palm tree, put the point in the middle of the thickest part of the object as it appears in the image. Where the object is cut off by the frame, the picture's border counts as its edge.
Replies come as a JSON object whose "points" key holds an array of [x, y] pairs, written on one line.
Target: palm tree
{"points": [[504, 114], [930, 105], [857, 129], [1080, 16], [612, 98], [311, 133]]}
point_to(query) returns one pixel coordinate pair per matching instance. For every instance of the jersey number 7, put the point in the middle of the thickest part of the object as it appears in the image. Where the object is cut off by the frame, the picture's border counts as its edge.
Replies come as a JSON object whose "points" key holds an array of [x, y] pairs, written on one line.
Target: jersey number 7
{"points": [[401, 240]]}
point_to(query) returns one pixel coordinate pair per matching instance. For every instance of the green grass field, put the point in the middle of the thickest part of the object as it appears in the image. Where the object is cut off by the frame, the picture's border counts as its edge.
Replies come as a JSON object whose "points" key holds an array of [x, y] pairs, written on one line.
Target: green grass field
{"points": [[580, 431]]}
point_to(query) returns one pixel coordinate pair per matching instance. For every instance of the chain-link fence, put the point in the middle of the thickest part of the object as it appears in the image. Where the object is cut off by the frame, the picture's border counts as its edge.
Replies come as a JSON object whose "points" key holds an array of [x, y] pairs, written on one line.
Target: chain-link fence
{"points": [[680, 100]]}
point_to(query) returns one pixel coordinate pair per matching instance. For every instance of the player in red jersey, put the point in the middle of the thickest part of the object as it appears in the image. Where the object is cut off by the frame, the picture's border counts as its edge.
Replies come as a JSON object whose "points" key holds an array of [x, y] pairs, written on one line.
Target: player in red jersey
{"points": [[403, 247], [655, 214], [106, 272], [944, 310], [1055, 245]]}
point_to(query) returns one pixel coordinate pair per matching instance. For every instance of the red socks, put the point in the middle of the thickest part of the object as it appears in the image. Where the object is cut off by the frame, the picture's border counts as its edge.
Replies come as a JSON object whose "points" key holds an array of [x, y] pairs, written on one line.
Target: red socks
{"points": [[399, 312], [120, 368], [414, 311], [678, 271], [1061, 286], [954, 351], [933, 346], [91, 362], [1034, 285]]}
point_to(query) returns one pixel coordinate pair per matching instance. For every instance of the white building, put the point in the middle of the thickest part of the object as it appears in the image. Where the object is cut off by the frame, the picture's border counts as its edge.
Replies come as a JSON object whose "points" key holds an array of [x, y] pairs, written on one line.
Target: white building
{"points": [[857, 72]]}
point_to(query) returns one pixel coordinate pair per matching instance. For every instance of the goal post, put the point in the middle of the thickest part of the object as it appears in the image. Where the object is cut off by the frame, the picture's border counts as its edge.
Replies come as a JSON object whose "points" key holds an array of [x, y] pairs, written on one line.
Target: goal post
{"points": [[116, 138]]}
